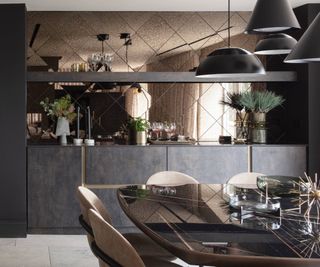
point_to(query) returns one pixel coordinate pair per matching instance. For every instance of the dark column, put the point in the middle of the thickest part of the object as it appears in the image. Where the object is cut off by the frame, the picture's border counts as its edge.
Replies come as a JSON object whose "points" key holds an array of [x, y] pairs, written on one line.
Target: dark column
{"points": [[314, 107], [12, 120]]}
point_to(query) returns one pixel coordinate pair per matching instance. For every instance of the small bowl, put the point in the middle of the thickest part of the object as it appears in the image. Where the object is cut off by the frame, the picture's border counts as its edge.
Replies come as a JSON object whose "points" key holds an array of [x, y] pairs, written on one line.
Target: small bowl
{"points": [[77, 142]]}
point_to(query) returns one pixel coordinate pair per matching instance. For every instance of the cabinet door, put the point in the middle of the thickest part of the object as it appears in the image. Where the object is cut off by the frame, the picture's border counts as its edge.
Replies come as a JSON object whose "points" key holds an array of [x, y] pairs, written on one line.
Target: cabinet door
{"points": [[209, 164], [123, 164], [279, 160], [54, 173]]}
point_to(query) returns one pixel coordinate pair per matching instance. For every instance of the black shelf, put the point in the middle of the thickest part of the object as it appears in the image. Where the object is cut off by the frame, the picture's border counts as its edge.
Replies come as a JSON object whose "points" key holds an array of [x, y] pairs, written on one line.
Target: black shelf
{"points": [[153, 77]]}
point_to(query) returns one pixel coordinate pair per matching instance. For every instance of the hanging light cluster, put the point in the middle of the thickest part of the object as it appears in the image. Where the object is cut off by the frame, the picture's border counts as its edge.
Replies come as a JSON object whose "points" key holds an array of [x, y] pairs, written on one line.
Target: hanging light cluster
{"points": [[272, 17]]}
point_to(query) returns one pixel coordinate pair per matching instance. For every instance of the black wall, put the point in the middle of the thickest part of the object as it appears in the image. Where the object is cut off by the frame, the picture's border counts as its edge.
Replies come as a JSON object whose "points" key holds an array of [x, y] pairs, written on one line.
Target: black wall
{"points": [[12, 121]]}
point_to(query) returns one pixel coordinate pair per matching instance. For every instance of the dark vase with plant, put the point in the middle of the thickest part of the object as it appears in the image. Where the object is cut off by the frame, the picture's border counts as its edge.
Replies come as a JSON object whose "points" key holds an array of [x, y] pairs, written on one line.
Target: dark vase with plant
{"points": [[259, 103], [62, 112], [242, 116], [137, 131]]}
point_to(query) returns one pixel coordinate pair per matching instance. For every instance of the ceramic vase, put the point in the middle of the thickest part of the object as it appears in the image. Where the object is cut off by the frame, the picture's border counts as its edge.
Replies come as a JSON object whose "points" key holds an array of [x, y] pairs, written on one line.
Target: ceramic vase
{"points": [[62, 130], [141, 138]]}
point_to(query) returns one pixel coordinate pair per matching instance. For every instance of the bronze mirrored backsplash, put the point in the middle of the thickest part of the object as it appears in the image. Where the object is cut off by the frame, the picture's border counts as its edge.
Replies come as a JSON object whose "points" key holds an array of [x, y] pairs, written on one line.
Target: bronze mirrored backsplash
{"points": [[157, 42]]}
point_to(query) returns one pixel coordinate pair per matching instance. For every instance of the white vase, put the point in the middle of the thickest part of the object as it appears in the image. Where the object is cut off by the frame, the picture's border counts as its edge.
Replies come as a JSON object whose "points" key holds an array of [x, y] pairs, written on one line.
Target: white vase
{"points": [[63, 130], [63, 140], [141, 138]]}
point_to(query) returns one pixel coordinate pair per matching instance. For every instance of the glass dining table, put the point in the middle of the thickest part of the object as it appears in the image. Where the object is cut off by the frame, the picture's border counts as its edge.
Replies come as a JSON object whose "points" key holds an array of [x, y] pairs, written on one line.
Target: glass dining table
{"points": [[220, 225]]}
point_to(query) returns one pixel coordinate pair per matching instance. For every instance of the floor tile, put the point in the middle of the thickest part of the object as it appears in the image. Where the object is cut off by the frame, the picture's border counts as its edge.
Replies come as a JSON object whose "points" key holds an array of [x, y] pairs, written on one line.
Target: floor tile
{"points": [[72, 256], [53, 240], [7, 241], [12, 256]]}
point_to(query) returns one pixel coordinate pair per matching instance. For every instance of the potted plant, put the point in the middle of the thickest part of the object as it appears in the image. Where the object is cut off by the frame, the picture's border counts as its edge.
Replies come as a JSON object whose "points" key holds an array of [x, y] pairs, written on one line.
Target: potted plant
{"points": [[242, 116], [260, 103], [62, 111], [138, 130]]}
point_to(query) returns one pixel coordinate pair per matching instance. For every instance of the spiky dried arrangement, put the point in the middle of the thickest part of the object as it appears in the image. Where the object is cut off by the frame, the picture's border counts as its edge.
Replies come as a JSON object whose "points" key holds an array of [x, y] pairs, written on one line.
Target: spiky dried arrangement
{"points": [[311, 197]]}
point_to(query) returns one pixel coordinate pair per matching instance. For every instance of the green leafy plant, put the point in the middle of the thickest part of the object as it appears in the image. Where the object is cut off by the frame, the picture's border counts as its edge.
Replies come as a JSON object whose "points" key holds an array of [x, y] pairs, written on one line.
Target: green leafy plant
{"points": [[248, 101], [233, 101], [260, 101], [62, 107], [138, 124]]}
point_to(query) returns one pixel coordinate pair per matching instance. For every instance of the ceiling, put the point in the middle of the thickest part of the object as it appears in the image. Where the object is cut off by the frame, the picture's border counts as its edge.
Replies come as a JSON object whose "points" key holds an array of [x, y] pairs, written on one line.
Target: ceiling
{"points": [[143, 5]]}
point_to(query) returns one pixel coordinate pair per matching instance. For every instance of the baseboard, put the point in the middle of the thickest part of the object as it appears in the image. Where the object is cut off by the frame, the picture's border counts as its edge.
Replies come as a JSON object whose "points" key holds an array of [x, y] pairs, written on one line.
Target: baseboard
{"points": [[13, 229]]}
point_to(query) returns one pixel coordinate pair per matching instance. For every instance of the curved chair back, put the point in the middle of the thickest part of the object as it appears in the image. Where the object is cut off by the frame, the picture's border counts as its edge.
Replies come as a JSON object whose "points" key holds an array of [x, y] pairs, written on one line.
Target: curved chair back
{"points": [[89, 200], [170, 178], [112, 243], [245, 179]]}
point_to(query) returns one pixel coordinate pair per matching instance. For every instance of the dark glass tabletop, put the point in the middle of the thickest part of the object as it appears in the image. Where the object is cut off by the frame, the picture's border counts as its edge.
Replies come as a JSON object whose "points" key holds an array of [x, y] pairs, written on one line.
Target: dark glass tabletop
{"points": [[216, 224]]}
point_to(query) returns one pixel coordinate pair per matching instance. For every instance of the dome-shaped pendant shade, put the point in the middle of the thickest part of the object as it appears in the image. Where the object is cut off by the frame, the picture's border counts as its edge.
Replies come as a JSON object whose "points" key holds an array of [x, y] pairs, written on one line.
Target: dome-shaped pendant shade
{"points": [[272, 16], [308, 47], [275, 44], [230, 62]]}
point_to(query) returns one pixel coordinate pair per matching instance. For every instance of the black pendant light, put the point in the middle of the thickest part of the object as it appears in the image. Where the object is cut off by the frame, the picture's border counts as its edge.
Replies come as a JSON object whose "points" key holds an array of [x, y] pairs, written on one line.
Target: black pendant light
{"points": [[230, 62], [275, 44], [308, 47], [272, 16]]}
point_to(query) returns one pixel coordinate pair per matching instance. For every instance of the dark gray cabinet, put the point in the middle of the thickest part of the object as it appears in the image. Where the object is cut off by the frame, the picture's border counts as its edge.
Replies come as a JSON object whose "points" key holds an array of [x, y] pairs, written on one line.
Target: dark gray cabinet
{"points": [[210, 164], [279, 160], [54, 173], [123, 164]]}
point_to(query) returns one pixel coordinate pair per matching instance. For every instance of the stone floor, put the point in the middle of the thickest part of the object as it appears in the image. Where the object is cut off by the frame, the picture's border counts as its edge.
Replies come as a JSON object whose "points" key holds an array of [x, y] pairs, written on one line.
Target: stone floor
{"points": [[48, 251]]}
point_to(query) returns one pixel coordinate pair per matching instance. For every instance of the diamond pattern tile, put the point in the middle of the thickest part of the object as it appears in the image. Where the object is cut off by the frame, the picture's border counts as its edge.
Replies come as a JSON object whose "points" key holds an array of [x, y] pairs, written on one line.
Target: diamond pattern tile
{"points": [[155, 32], [196, 28], [161, 41]]}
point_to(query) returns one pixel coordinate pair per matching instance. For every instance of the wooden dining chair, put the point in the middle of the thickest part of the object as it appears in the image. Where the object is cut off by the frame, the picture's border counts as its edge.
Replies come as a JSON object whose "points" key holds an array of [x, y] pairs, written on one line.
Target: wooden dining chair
{"points": [[111, 244], [142, 243], [168, 178]]}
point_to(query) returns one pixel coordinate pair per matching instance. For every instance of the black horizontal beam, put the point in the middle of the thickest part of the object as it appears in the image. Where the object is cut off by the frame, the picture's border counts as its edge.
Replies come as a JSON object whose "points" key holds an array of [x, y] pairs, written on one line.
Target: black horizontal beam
{"points": [[153, 77]]}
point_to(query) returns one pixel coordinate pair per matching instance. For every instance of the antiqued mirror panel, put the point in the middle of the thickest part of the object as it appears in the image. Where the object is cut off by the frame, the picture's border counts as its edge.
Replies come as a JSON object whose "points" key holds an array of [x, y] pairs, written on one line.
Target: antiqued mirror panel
{"points": [[134, 42]]}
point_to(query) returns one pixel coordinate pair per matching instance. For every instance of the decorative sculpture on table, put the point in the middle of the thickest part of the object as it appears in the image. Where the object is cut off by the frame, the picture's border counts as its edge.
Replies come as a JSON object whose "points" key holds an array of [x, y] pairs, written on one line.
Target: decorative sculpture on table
{"points": [[62, 111], [310, 195]]}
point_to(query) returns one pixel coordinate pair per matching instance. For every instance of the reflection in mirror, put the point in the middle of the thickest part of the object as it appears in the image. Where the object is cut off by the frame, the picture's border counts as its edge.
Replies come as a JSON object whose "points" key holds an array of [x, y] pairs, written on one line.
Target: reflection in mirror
{"points": [[190, 110], [138, 42], [135, 39], [196, 108]]}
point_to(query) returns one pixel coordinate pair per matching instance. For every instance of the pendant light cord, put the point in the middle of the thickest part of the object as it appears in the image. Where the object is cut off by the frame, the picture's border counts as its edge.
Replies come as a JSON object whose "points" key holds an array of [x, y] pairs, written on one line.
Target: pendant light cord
{"points": [[102, 47], [229, 15]]}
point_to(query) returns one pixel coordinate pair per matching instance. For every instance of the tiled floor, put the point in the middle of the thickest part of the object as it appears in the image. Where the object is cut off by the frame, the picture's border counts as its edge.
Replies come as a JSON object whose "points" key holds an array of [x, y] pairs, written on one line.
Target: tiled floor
{"points": [[48, 251]]}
